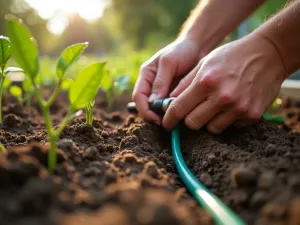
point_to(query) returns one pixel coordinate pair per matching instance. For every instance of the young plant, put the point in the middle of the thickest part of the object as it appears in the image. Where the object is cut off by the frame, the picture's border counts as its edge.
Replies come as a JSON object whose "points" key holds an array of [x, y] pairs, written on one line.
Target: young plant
{"points": [[89, 112], [82, 91], [5, 54], [113, 86]]}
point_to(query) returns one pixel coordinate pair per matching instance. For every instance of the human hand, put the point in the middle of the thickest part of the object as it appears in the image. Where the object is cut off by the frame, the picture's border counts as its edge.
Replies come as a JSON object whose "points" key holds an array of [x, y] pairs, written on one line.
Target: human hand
{"points": [[235, 82], [158, 73]]}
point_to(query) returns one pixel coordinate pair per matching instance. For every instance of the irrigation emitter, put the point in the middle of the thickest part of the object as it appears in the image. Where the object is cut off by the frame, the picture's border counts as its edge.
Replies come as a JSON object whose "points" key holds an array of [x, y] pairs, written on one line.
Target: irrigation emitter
{"points": [[220, 212]]}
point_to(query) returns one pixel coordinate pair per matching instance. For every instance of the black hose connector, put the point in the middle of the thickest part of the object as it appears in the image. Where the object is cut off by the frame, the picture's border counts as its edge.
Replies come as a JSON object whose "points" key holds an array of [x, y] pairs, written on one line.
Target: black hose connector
{"points": [[159, 106]]}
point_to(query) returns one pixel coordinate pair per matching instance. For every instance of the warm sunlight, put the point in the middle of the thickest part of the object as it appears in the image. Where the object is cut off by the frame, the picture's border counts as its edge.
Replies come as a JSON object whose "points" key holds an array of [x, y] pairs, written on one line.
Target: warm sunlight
{"points": [[58, 11]]}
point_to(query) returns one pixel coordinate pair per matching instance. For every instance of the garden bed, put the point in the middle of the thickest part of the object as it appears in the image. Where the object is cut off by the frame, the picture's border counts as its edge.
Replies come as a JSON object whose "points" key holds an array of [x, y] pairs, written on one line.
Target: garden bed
{"points": [[120, 170]]}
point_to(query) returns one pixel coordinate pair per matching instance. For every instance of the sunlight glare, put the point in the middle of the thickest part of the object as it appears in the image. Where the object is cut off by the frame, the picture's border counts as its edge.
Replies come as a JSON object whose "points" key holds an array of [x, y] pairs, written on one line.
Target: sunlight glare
{"points": [[56, 10]]}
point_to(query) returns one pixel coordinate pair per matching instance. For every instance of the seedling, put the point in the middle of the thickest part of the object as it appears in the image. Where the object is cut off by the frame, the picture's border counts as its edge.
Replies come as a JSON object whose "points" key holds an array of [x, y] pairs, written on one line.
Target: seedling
{"points": [[114, 86], [82, 91], [5, 54], [89, 112]]}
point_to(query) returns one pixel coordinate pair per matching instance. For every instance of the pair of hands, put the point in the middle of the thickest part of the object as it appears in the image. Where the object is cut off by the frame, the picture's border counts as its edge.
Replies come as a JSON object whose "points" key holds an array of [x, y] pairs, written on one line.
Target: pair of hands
{"points": [[235, 83]]}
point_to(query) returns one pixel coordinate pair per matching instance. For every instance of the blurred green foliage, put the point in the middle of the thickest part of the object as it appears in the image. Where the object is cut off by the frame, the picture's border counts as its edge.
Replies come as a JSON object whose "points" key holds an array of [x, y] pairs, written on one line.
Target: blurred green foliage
{"points": [[128, 33]]}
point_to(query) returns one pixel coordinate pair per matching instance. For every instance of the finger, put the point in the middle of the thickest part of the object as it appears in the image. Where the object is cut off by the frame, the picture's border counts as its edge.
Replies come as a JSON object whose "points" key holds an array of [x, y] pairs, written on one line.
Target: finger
{"points": [[183, 104], [220, 122], [203, 113], [142, 90], [163, 78], [185, 82]]}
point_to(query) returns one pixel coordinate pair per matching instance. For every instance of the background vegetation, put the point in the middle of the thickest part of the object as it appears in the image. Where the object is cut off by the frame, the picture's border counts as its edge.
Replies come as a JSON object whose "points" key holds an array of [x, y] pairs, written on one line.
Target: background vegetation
{"points": [[127, 33]]}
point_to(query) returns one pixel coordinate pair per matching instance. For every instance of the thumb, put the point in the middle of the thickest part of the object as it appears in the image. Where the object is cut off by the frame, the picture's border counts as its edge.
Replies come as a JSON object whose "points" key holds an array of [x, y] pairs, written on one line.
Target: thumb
{"points": [[163, 79]]}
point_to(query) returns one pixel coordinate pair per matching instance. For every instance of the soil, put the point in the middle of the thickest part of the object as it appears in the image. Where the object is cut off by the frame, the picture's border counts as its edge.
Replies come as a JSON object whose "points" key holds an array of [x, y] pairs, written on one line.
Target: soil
{"points": [[120, 170]]}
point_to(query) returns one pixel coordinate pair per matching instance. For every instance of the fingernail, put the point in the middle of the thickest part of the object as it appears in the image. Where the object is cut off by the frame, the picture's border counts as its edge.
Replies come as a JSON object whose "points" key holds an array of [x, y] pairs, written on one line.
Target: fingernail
{"points": [[152, 97]]}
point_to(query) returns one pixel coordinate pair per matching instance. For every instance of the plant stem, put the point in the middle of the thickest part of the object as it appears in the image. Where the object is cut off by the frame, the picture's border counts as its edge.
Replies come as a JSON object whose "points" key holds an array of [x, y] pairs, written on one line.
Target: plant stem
{"points": [[52, 156], [2, 148], [1, 93], [54, 94]]}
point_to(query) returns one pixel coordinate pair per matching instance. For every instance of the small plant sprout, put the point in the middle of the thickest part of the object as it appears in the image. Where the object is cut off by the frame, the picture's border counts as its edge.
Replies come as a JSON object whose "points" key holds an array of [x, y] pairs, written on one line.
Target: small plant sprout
{"points": [[89, 112], [82, 91], [5, 54], [113, 86]]}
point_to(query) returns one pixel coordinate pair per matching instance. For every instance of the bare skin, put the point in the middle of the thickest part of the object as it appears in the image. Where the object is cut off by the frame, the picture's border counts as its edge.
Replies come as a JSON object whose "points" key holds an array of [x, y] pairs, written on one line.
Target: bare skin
{"points": [[237, 81], [202, 32]]}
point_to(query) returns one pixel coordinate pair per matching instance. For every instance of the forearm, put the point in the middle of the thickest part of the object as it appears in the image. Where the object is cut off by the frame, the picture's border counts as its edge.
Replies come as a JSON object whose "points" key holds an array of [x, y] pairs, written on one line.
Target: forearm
{"points": [[212, 20], [283, 31]]}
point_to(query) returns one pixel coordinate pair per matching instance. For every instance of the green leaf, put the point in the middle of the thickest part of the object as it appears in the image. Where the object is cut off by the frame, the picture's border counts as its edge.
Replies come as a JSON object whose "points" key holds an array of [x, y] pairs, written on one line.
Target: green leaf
{"points": [[24, 48], [66, 84], [7, 83], [5, 51], [107, 82], [13, 70], [16, 91], [68, 57], [86, 85], [27, 85]]}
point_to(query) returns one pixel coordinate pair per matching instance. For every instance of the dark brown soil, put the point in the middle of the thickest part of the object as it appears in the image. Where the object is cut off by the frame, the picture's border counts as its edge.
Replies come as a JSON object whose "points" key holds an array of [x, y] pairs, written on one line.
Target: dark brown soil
{"points": [[120, 171]]}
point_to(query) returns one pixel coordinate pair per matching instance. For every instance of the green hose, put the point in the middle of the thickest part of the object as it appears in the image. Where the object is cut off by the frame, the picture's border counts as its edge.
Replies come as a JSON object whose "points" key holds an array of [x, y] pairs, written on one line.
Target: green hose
{"points": [[217, 209]]}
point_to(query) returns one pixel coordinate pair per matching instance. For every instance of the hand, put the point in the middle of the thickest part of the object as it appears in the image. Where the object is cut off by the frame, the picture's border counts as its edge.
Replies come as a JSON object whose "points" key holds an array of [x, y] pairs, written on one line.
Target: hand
{"points": [[237, 81], [158, 73]]}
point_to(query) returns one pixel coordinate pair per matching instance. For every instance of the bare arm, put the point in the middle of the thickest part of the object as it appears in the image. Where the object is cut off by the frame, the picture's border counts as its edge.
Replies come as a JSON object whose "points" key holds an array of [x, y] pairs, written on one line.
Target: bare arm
{"points": [[283, 31], [212, 20]]}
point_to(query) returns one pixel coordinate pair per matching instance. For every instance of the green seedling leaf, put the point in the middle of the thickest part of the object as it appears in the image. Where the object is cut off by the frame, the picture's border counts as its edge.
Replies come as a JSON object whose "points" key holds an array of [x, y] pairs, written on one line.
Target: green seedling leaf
{"points": [[27, 85], [106, 83], [7, 83], [24, 47], [86, 85], [66, 84], [5, 51], [68, 57], [13, 70], [16, 91]]}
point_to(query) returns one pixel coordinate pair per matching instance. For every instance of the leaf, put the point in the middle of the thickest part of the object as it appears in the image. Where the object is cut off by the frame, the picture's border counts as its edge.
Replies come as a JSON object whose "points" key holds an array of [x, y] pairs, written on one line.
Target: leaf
{"points": [[27, 85], [16, 91], [13, 70], [86, 85], [7, 83], [68, 57], [5, 51], [24, 48], [66, 84], [107, 82]]}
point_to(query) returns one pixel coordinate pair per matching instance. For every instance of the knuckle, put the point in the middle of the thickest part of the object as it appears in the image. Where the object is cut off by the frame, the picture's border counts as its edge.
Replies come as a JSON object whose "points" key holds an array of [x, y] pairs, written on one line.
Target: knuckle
{"points": [[242, 108], [210, 80], [158, 84], [174, 111], [165, 59], [226, 98], [254, 115], [191, 123]]}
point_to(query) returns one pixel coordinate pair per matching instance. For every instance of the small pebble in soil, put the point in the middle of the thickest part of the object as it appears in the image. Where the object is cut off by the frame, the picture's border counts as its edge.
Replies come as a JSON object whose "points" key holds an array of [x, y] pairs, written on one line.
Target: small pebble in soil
{"points": [[266, 180], [212, 160], [104, 134], [258, 199], [206, 179], [11, 120], [244, 177], [239, 197], [90, 153]]}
